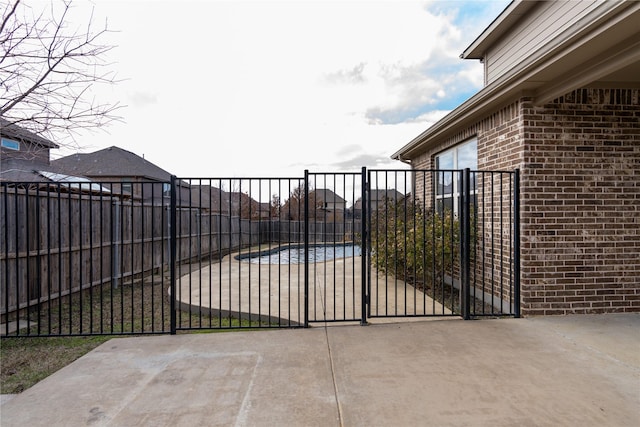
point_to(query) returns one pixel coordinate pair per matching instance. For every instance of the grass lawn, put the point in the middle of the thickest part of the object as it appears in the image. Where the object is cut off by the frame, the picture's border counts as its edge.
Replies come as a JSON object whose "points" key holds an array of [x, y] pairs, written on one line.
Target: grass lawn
{"points": [[25, 361], [131, 309]]}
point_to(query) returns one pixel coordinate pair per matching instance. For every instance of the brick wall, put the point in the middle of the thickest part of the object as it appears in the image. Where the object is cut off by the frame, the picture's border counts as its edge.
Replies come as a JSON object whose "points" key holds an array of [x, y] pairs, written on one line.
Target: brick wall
{"points": [[581, 203], [580, 194], [499, 138]]}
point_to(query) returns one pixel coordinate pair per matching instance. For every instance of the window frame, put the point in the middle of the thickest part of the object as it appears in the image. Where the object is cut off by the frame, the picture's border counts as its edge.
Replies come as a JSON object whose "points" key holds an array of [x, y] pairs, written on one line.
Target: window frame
{"points": [[10, 144], [126, 187], [454, 195]]}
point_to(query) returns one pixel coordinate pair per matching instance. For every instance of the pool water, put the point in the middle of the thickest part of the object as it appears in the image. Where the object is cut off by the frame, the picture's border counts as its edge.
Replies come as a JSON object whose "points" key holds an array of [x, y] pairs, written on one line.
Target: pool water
{"points": [[296, 254]]}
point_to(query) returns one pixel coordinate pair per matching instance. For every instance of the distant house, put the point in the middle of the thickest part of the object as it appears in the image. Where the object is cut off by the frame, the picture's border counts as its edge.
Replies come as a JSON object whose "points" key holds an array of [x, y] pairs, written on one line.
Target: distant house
{"points": [[23, 154], [330, 204], [377, 199], [324, 205], [215, 200], [561, 102], [122, 171], [25, 159]]}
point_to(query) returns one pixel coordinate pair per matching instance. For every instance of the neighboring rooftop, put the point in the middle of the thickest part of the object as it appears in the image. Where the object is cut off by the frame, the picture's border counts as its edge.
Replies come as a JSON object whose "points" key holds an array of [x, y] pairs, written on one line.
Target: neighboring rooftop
{"points": [[14, 131], [111, 162], [327, 196]]}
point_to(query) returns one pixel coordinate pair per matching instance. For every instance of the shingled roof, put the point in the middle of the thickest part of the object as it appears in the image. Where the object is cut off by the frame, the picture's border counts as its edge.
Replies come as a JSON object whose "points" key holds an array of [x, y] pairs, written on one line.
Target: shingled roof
{"points": [[111, 162], [327, 196], [13, 131]]}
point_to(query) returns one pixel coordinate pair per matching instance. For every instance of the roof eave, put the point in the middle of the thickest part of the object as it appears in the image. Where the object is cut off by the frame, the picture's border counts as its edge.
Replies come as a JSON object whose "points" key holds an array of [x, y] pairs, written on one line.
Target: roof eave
{"points": [[14, 131], [521, 82], [512, 13], [465, 112]]}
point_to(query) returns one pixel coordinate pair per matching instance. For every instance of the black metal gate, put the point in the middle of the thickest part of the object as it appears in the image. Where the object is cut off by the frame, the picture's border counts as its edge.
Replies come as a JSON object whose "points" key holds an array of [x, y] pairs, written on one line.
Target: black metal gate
{"points": [[443, 243], [203, 253]]}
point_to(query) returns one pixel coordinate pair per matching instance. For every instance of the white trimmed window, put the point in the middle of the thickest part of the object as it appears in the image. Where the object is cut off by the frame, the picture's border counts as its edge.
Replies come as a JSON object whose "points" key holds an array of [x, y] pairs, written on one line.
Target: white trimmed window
{"points": [[448, 163], [10, 144]]}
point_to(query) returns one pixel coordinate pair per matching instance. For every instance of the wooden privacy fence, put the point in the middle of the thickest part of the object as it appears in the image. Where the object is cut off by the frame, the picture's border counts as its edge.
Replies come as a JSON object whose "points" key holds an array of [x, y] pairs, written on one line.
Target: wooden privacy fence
{"points": [[55, 242]]}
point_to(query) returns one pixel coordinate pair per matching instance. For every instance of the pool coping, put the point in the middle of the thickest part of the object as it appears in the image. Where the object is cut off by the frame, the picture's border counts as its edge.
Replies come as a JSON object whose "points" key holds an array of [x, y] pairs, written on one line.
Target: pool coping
{"points": [[244, 255]]}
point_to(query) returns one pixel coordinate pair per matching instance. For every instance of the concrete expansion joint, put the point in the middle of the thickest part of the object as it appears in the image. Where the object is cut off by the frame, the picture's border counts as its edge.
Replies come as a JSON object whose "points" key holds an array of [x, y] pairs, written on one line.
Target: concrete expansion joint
{"points": [[597, 352], [333, 376]]}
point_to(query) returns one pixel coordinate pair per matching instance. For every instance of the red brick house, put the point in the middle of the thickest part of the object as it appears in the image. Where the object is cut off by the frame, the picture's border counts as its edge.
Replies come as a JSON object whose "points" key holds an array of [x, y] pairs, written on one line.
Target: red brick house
{"points": [[561, 103]]}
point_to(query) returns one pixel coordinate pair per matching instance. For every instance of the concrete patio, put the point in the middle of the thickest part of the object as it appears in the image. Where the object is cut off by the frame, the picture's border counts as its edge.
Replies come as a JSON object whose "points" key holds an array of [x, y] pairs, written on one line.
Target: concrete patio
{"points": [[275, 292], [581, 370]]}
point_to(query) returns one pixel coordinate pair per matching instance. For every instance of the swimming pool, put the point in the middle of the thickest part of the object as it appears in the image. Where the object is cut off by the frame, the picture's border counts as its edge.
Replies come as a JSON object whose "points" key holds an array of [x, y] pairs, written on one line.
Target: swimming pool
{"points": [[296, 254]]}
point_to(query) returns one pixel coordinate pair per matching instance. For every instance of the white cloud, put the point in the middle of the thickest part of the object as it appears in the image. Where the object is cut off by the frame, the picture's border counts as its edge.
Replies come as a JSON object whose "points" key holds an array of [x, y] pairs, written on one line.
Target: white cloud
{"points": [[141, 99], [271, 88], [349, 76], [430, 117]]}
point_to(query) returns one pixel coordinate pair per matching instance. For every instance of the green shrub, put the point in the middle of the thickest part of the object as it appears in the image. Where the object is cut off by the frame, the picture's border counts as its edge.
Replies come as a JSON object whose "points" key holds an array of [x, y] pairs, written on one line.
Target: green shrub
{"points": [[414, 244]]}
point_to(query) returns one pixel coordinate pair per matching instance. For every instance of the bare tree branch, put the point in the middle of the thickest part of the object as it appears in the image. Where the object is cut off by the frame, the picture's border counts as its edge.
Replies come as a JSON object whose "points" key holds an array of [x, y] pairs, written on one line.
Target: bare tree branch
{"points": [[48, 72], [8, 15]]}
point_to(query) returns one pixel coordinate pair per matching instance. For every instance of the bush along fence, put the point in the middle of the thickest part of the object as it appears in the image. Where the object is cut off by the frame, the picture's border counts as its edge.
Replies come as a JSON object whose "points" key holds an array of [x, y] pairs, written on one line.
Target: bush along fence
{"points": [[158, 257]]}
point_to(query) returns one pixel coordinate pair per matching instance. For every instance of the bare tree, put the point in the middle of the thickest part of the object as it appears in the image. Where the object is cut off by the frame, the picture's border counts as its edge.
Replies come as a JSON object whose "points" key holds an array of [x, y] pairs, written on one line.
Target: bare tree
{"points": [[48, 71], [275, 206], [293, 208], [249, 208]]}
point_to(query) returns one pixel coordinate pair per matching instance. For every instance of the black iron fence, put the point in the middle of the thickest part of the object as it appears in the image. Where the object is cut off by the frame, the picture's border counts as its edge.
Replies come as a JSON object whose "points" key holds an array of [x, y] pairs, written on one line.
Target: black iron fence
{"points": [[193, 253]]}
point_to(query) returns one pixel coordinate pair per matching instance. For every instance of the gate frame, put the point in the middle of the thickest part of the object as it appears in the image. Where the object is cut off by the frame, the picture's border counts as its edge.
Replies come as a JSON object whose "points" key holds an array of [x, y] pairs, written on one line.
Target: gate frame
{"points": [[464, 245]]}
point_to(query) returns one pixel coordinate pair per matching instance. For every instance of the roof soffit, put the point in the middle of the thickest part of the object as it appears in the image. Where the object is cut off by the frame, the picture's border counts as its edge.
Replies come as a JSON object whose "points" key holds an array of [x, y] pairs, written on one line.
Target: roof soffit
{"points": [[617, 65]]}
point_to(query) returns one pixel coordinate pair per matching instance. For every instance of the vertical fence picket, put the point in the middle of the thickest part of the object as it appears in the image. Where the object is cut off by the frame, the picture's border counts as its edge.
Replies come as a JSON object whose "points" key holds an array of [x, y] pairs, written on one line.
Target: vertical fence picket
{"points": [[173, 235], [516, 242]]}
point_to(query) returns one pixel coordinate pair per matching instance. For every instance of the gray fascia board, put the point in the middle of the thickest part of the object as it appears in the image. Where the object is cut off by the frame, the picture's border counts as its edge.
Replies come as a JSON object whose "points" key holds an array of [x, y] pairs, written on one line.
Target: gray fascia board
{"points": [[497, 28]]}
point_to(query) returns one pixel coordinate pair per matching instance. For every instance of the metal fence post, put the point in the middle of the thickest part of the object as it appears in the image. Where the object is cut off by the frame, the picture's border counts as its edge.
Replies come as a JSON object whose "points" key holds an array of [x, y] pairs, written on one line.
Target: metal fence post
{"points": [[172, 254], [5, 238], [116, 228], [363, 249], [465, 288], [516, 242], [306, 248]]}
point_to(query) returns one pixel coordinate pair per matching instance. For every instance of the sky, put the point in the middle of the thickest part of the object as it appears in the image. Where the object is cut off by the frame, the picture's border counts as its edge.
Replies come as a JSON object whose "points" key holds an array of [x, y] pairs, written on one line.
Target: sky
{"points": [[271, 88]]}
